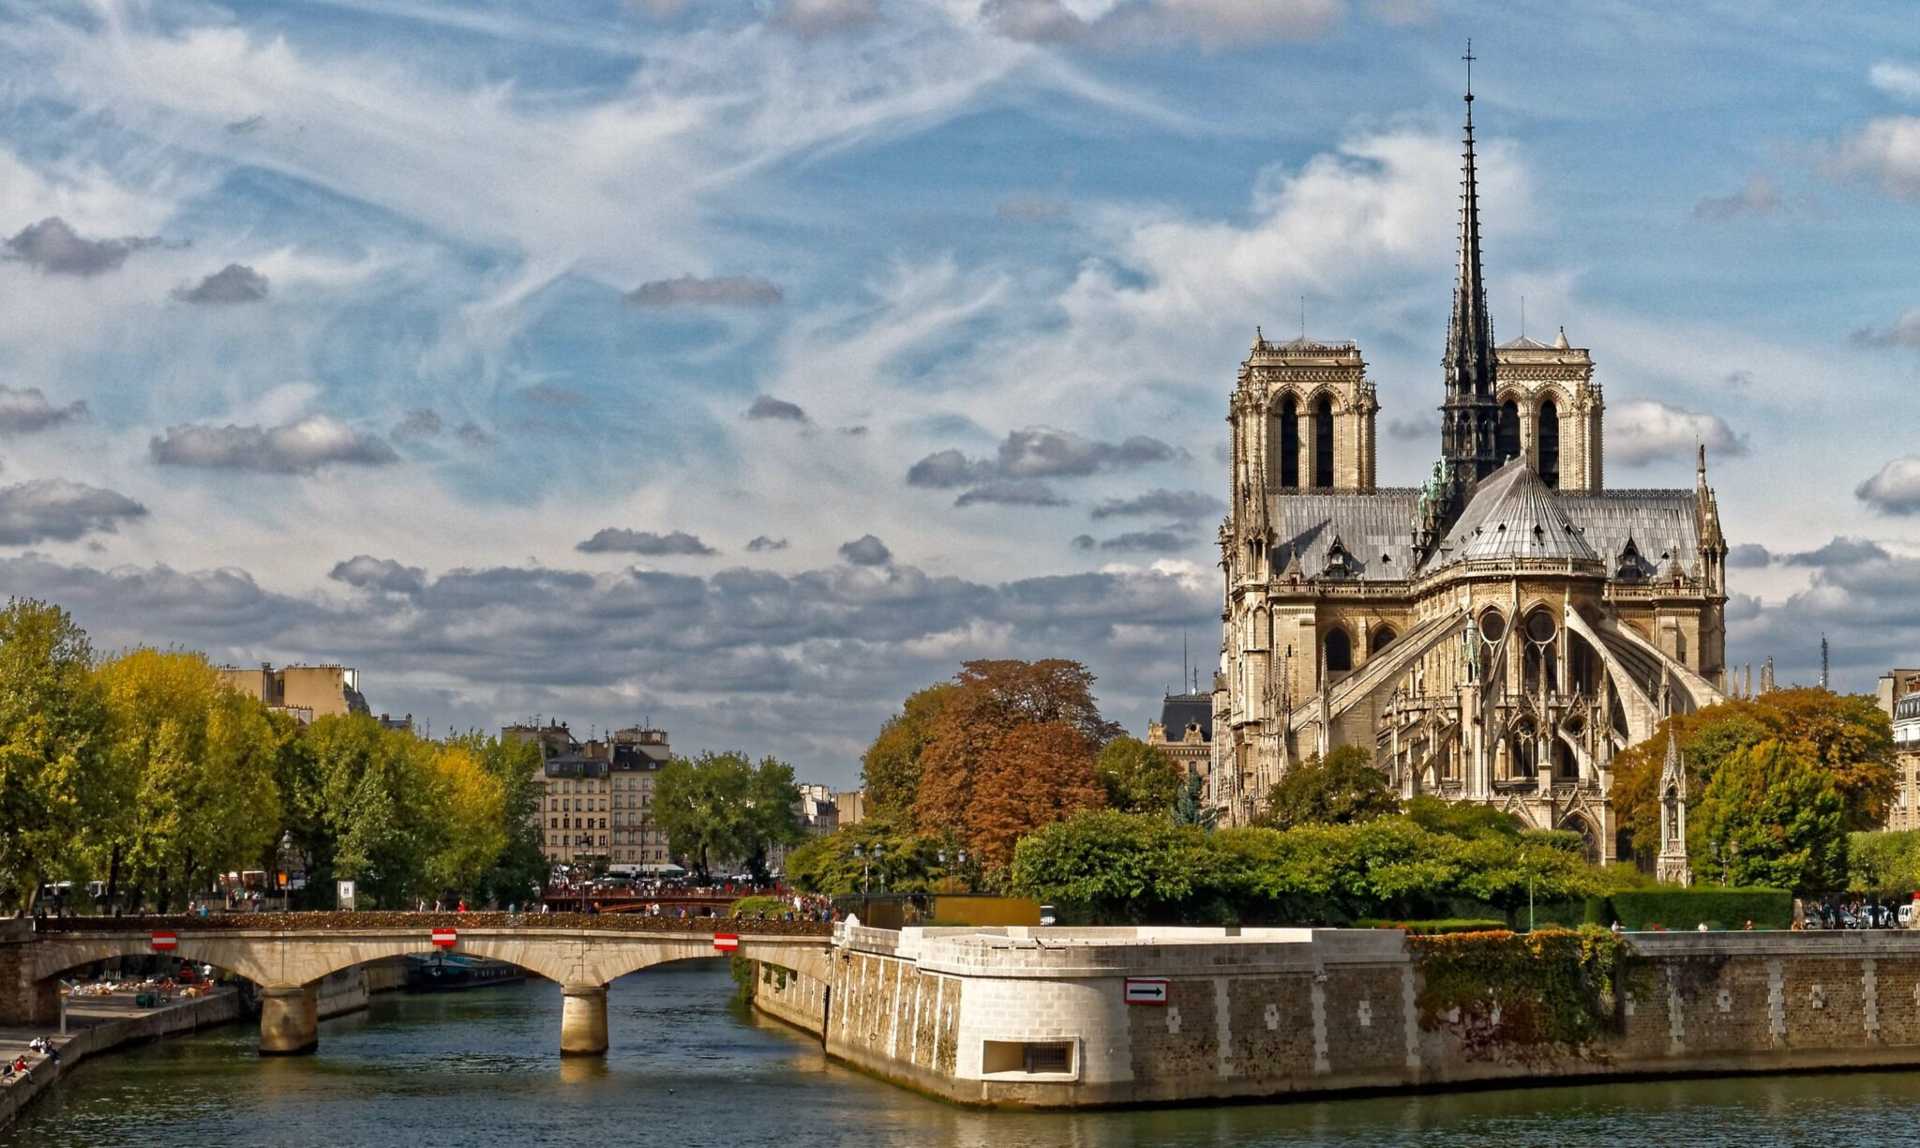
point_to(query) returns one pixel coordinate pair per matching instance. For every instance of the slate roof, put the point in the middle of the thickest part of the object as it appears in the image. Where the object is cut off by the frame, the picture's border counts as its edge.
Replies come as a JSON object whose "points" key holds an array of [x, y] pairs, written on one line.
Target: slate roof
{"points": [[1512, 514], [1375, 529], [1664, 525], [1178, 711]]}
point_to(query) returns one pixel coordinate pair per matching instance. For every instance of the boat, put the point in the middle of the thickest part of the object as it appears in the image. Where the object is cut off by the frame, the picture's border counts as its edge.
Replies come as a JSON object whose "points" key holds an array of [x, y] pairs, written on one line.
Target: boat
{"points": [[450, 972]]}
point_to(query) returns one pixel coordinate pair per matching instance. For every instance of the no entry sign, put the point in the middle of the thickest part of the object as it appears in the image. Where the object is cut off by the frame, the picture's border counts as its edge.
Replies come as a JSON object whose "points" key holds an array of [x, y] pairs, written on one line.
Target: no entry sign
{"points": [[165, 942], [726, 942], [445, 938], [1147, 990]]}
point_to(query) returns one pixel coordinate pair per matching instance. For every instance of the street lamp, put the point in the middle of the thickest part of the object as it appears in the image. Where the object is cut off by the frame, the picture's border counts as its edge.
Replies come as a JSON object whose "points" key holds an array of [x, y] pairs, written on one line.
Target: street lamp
{"points": [[867, 858], [959, 860], [286, 871], [1529, 869]]}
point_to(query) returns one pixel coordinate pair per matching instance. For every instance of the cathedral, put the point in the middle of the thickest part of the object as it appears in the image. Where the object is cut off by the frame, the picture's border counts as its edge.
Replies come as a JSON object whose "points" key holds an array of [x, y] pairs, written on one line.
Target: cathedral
{"points": [[1495, 635]]}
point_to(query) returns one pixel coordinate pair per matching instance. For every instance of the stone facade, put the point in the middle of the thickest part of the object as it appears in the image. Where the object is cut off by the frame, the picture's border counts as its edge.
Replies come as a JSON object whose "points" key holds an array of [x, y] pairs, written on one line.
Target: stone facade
{"points": [[1493, 636], [1274, 1012]]}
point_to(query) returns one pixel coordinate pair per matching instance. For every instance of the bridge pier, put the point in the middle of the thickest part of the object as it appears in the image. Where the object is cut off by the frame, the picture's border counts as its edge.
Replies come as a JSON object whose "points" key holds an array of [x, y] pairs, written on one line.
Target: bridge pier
{"points": [[289, 1019], [583, 1020]]}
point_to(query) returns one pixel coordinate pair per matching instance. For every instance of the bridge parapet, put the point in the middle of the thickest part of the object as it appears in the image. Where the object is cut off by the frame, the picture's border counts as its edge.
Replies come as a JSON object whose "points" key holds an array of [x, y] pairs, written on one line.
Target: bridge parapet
{"points": [[287, 954]]}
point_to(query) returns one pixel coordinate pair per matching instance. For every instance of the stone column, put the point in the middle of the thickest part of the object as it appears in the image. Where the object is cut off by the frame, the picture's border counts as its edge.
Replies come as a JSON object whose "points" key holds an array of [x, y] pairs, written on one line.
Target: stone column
{"points": [[1309, 448], [289, 1019], [583, 1020]]}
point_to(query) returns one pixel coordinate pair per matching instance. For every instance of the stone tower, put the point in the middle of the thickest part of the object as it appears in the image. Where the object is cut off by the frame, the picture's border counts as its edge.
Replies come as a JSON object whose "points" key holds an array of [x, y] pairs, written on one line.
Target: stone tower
{"points": [[1672, 865]]}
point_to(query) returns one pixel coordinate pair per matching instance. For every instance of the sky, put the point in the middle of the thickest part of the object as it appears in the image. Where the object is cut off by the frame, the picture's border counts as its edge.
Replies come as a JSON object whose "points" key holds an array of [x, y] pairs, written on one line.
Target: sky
{"points": [[740, 366]]}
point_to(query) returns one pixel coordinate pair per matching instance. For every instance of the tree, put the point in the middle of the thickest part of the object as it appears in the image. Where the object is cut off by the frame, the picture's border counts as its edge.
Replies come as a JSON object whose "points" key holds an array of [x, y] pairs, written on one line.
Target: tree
{"points": [[718, 807], [1847, 737], [890, 769], [1886, 861], [1771, 817], [192, 771], [1137, 777], [1461, 819], [520, 870], [1012, 748], [1114, 866], [1342, 790], [892, 857], [469, 804], [375, 807], [1190, 808], [53, 761]]}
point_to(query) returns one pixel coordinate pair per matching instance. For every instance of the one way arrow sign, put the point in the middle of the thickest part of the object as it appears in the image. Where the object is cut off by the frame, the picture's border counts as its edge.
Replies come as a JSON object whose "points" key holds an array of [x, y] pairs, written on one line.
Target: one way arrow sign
{"points": [[1147, 990]]}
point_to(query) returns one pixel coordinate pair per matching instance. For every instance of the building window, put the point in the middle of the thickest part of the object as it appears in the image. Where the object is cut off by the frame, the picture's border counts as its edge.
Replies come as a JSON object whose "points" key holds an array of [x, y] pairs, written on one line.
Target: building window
{"points": [[1339, 651], [1507, 441], [1323, 442], [1289, 419], [1550, 444]]}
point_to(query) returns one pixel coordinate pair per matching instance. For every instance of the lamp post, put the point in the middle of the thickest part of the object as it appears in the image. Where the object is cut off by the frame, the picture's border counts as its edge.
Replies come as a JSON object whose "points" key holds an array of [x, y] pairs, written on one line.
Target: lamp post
{"points": [[1529, 869], [286, 871], [867, 858], [959, 862]]}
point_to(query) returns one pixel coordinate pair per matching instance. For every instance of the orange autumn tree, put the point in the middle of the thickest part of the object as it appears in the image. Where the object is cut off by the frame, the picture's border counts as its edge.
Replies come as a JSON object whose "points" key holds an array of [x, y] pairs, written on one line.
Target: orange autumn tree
{"points": [[1013, 748]]}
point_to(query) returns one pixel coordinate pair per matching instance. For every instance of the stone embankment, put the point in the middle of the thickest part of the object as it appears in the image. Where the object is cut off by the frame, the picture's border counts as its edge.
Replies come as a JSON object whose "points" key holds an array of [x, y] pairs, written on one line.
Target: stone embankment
{"points": [[1091, 1017]]}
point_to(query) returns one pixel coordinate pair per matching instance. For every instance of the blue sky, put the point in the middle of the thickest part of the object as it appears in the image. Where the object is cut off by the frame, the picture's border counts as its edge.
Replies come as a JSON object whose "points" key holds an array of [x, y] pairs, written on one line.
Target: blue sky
{"points": [[742, 366]]}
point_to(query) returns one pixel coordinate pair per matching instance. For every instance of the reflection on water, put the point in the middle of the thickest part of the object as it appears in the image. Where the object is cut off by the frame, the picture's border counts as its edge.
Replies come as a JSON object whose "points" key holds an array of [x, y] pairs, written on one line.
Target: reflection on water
{"points": [[482, 1068]]}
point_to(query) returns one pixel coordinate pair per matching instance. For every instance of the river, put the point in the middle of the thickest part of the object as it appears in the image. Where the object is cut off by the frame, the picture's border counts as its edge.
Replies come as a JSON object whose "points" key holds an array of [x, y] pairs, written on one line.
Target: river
{"points": [[481, 1069]]}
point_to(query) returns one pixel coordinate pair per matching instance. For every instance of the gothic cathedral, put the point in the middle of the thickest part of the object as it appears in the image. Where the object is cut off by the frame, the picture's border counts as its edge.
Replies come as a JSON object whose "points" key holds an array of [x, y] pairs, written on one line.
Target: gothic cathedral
{"points": [[1493, 636]]}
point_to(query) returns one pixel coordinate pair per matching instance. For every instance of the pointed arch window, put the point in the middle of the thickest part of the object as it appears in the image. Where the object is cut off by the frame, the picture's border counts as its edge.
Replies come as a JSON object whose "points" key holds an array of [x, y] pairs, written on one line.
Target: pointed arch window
{"points": [[1289, 419], [1323, 442], [1549, 437], [1339, 649], [1507, 443]]}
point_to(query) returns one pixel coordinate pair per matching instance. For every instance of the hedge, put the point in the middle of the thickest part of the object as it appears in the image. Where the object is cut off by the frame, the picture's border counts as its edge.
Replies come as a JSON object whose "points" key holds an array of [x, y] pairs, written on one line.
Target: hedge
{"points": [[1676, 908], [1438, 927]]}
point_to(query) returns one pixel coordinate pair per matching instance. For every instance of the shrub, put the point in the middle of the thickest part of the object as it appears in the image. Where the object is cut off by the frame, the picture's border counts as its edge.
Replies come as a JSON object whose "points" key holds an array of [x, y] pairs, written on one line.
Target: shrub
{"points": [[1721, 907], [1551, 987], [1439, 927], [759, 906]]}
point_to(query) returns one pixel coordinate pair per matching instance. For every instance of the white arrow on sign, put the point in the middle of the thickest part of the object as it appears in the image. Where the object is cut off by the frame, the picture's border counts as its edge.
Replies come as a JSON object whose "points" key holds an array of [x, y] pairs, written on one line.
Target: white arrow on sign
{"points": [[1147, 990]]}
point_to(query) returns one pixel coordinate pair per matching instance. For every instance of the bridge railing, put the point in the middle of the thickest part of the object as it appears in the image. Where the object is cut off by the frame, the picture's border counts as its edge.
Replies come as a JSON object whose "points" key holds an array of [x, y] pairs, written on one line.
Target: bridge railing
{"points": [[344, 922]]}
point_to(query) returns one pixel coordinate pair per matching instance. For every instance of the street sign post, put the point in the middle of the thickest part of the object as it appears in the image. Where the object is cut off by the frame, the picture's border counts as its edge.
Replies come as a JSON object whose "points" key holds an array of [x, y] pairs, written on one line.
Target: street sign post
{"points": [[445, 938], [726, 942], [1146, 990]]}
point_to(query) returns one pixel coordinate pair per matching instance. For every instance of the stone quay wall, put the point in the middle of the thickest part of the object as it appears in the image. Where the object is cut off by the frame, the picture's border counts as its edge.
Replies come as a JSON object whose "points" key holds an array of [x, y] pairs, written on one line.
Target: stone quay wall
{"points": [[1038, 1018]]}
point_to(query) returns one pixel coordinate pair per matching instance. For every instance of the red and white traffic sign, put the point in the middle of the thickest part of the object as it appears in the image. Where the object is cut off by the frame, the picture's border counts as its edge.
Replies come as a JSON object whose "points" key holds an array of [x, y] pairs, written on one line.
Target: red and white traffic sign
{"points": [[1147, 990], [165, 942], [445, 938], [726, 942]]}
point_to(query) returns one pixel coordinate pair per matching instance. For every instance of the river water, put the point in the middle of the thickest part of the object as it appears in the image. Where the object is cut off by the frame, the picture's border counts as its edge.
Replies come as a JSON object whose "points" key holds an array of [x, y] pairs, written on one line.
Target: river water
{"points": [[481, 1069]]}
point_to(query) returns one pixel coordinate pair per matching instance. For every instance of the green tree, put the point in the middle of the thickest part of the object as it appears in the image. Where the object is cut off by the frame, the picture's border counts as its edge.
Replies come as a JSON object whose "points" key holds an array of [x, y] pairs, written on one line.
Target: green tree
{"points": [[718, 807], [53, 747], [192, 768], [1461, 819], [469, 806], [1771, 817], [1342, 790], [892, 857], [1137, 777], [1846, 736], [1190, 807], [890, 769], [1114, 866], [1884, 861], [376, 809], [520, 870]]}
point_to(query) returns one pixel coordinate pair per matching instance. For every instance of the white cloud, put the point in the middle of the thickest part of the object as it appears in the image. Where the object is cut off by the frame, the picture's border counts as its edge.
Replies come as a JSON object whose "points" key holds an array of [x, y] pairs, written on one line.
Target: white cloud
{"points": [[1887, 151], [1643, 431], [1153, 23], [1895, 79], [1894, 489]]}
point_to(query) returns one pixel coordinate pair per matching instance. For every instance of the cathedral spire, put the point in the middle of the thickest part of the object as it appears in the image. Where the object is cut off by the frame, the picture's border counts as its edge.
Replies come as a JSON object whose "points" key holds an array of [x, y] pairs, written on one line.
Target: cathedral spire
{"points": [[1470, 416]]}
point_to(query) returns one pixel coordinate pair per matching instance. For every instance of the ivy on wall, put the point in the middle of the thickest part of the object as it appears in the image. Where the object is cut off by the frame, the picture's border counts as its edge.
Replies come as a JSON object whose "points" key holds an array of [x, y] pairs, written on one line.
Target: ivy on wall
{"points": [[1529, 995]]}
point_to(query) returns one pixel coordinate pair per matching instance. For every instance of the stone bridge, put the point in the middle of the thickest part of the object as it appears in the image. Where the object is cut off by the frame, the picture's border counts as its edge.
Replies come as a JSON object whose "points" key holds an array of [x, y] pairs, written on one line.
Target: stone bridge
{"points": [[286, 955]]}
